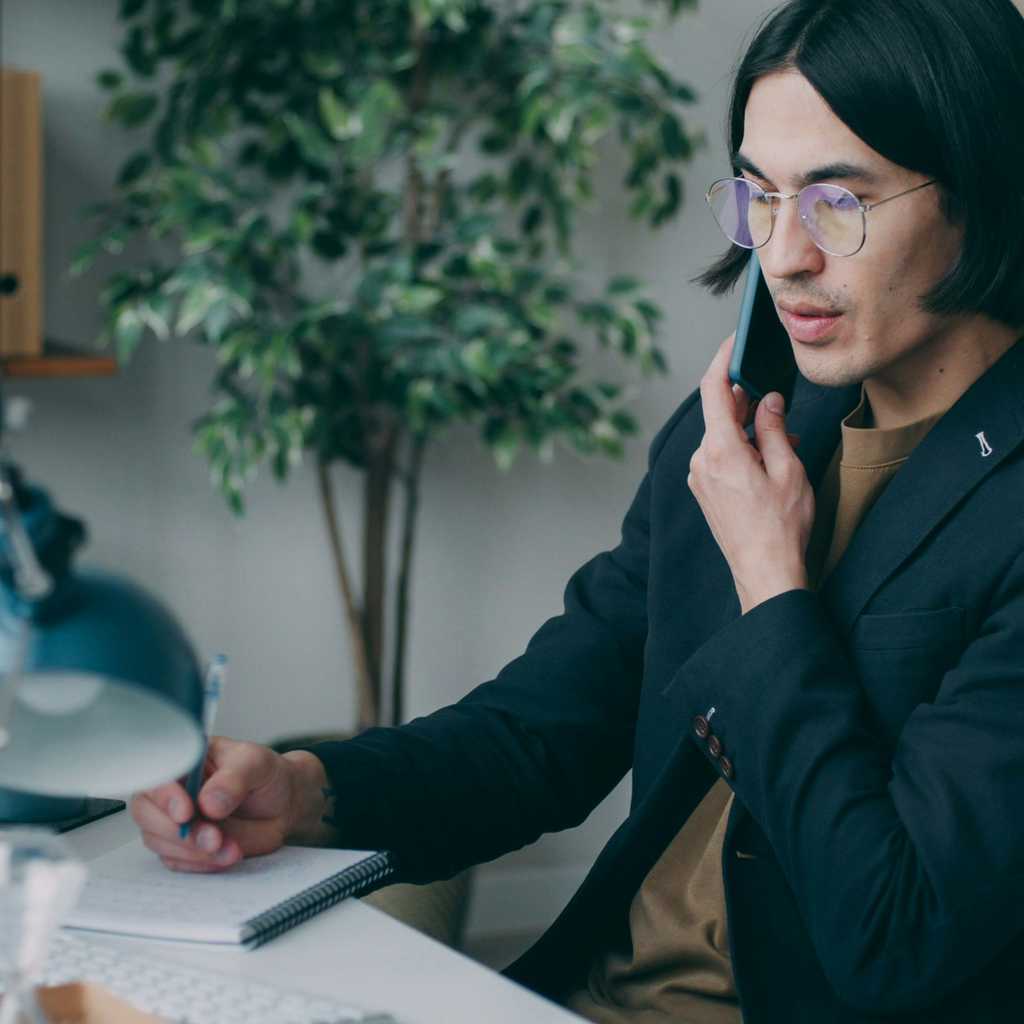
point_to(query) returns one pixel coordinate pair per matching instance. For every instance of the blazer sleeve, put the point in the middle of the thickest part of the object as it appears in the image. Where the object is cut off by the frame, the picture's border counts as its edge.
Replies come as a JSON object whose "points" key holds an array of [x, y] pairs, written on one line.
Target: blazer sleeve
{"points": [[532, 751], [907, 864]]}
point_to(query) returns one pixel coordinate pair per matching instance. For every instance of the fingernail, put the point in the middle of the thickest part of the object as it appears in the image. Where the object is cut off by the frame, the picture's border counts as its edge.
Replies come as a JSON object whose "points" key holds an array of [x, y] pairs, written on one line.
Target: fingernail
{"points": [[207, 839], [178, 809], [775, 403], [218, 801]]}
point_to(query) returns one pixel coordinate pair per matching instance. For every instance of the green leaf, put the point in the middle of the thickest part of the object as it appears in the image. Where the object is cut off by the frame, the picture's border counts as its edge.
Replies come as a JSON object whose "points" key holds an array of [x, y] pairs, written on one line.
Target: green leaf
{"points": [[218, 317], [476, 357], [128, 328], [417, 298], [532, 219], [476, 226], [673, 197], [504, 444], [195, 306], [378, 111], [341, 122], [132, 109], [323, 64], [474, 318], [155, 314], [133, 169], [312, 143], [623, 285], [85, 257], [673, 138], [494, 143], [139, 58], [109, 79], [520, 177], [328, 246]]}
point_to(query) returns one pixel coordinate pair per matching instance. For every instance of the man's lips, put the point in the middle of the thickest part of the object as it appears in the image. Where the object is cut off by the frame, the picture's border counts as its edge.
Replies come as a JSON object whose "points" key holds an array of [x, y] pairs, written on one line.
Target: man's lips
{"points": [[809, 324]]}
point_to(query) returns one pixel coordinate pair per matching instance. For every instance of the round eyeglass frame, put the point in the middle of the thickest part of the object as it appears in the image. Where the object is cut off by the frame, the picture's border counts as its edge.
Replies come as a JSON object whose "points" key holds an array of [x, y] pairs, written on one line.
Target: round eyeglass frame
{"points": [[865, 209]]}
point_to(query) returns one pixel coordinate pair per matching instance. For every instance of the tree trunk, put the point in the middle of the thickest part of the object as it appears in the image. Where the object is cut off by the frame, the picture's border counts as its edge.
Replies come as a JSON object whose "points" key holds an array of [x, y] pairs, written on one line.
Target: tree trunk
{"points": [[412, 500], [377, 480], [367, 706]]}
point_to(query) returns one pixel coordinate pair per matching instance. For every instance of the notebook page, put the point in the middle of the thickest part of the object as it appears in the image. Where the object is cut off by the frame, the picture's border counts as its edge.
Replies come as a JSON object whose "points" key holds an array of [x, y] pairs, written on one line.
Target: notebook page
{"points": [[130, 892]]}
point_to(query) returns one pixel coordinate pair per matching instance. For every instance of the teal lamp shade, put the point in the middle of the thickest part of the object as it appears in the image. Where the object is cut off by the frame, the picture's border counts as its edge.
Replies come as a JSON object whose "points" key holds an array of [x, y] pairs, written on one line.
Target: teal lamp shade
{"points": [[110, 696], [100, 690]]}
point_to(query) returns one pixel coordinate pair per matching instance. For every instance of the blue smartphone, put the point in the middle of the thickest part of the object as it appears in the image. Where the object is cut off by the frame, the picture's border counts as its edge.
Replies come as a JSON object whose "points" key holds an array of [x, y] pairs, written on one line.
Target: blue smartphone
{"points": [[762, 355]]}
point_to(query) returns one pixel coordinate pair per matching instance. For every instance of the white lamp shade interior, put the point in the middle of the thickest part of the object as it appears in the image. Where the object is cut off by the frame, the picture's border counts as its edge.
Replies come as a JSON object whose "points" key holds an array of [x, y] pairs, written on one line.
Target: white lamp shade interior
{"points": [[72, 735]]}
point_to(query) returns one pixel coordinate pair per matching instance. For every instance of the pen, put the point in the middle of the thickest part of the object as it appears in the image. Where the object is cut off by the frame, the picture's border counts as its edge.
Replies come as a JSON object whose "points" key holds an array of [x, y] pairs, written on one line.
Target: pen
{"points": [[215, 676]]}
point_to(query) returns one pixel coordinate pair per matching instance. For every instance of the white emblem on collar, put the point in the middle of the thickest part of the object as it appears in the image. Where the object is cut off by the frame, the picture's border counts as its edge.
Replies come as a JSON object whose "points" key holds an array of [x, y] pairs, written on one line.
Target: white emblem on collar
{"points": [[986, 448]]}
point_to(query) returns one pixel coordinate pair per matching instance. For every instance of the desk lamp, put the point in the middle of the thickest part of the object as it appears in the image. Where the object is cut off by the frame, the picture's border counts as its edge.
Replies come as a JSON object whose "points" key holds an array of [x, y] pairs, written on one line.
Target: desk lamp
{"points": [[100, 691]]}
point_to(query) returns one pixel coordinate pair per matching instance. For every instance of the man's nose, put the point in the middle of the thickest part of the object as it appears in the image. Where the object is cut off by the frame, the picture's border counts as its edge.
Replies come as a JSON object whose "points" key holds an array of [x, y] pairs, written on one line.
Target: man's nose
{"points": [[790, 250]]}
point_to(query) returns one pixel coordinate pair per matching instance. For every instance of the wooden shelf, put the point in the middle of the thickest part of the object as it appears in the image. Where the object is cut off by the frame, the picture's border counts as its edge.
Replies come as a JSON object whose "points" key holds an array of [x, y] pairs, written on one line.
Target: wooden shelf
{"points": [[58, 360]]}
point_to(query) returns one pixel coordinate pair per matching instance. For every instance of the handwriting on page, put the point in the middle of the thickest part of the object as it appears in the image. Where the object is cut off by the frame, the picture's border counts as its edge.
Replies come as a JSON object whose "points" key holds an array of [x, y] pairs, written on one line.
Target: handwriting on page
{"points": [[132, 885]]}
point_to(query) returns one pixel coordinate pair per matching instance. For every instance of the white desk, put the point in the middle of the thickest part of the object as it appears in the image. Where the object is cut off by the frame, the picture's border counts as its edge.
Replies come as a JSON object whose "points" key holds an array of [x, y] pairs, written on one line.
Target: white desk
{"points": [[356, 953]]}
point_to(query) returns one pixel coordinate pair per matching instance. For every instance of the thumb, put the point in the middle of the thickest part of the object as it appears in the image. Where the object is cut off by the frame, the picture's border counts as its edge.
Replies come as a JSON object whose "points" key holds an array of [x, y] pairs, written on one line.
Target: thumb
{"points": [[770, 430], [238, 769]]}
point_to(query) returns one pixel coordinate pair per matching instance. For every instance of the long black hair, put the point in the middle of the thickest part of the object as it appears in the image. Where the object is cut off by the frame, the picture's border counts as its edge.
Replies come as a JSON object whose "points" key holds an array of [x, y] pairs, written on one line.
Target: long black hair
{"points": [[935, 86]]}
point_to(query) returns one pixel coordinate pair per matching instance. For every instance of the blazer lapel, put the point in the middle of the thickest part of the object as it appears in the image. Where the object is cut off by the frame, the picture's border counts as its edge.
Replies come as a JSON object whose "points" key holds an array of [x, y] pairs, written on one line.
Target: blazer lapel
{"points": [[816, 416], [984, 426]]}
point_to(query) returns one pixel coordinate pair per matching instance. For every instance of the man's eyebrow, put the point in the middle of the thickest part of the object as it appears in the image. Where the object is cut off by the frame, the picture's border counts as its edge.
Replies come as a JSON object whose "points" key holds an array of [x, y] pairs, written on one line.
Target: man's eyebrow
{"points": [[841, 170]]}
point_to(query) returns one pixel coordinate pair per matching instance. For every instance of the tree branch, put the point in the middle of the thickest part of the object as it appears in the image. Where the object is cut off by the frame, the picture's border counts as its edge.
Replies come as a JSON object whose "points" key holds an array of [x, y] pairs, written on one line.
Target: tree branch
{"points": [[366, 701], [412, 500]]}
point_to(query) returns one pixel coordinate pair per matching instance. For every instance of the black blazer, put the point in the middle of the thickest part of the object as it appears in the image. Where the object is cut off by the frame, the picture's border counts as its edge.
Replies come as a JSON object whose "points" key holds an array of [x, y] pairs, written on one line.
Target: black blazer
{"points": [[873, 733]]}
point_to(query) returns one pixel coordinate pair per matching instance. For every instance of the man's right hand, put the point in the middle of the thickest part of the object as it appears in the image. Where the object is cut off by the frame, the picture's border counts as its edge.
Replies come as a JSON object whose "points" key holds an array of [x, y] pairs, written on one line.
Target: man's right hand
{"points": [[252, 801]]}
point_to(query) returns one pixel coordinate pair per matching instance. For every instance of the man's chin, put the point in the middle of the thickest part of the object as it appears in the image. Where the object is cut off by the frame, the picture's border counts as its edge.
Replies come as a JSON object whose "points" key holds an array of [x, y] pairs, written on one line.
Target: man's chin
{"points": [[829, 376]]}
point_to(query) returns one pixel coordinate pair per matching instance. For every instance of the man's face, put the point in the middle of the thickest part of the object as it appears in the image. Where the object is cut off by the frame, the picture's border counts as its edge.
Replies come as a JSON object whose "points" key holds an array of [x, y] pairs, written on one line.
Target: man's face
{"points": [[882, 333]]}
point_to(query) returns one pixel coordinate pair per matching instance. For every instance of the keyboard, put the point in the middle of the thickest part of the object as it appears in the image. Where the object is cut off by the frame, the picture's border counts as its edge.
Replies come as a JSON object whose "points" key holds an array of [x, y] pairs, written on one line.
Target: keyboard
{"points": [[191, 995]]}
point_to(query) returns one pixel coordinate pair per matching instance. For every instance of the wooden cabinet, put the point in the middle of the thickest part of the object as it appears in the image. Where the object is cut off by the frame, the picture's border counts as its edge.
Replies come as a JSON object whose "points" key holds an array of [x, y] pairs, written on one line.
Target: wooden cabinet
{"points": [[21, 214], [22, 349]]}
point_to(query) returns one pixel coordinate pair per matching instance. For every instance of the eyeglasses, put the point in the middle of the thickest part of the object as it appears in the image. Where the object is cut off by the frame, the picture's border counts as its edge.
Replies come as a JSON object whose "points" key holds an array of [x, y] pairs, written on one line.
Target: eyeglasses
{"points": [[833, 216]]}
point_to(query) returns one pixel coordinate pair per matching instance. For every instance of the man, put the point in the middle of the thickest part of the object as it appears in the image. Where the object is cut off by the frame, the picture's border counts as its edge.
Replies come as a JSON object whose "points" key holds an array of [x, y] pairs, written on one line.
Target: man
{"points": [[809, 652]]}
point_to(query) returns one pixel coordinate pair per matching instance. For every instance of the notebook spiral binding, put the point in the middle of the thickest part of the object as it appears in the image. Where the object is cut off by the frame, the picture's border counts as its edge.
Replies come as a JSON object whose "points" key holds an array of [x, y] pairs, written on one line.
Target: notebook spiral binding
{"points": [[357, 880]]}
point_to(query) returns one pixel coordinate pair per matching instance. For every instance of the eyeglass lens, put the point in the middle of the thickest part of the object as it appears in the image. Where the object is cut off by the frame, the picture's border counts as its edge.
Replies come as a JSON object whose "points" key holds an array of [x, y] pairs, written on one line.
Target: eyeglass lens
{"points": [[831, 215]]}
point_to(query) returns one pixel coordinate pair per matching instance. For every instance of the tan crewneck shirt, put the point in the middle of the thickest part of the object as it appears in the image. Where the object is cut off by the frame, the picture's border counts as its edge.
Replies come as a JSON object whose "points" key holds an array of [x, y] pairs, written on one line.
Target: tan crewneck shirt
{"points": [[675, 965]]}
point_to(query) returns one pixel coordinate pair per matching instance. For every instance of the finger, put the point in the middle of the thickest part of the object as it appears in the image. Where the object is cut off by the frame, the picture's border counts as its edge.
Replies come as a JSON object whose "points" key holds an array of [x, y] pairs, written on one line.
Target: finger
{"points": [[193, 868], [239, 768], [150, 817], [743, 405], [171, 799], [253, 837], [228, 852], [772, 440], [716, 396]]}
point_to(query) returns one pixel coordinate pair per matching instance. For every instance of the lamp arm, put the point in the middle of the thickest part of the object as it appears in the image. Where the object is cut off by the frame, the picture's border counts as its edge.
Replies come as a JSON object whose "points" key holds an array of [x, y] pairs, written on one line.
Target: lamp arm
{"points": [[10, 679], [30, 578]]}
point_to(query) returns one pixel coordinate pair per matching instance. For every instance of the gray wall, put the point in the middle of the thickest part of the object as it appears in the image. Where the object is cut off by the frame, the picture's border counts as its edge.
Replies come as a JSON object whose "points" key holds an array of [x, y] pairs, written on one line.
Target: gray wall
{"points": [[494, 550]]}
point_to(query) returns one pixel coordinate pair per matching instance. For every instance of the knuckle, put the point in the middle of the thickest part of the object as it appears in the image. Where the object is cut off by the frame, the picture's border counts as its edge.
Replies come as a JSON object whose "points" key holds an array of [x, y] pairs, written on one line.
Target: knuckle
{"points": [[791, 473], [714, 456]]}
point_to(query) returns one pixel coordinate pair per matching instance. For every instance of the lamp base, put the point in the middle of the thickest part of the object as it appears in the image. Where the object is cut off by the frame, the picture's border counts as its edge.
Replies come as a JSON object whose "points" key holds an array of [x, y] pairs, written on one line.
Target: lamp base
{"points": [[61, 814]]}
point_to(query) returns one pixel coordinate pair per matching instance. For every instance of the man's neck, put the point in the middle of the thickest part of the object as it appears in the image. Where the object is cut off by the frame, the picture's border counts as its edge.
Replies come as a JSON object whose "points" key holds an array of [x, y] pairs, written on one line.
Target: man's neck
{"points": [[931, 380]]}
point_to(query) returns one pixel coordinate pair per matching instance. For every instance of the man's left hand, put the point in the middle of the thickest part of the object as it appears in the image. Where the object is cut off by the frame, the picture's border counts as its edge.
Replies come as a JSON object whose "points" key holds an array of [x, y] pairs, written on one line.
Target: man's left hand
{"points": [[756, 497]]}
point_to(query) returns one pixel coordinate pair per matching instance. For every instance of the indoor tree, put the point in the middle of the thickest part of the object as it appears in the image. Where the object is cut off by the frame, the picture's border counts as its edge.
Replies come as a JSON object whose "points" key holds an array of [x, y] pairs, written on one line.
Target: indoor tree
{"points": [[367, 208]]}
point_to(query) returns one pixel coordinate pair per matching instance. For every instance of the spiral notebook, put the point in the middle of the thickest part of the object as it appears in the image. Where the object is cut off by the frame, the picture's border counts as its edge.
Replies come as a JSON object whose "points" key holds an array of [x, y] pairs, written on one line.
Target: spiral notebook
{"points": [[130, 892]]}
